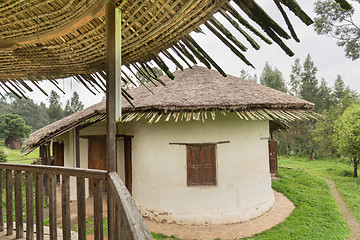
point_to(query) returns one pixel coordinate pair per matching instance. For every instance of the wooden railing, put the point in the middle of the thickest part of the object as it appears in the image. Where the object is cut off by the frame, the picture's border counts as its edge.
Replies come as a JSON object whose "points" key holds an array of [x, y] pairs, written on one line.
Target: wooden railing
{"points": [[124, 218]]}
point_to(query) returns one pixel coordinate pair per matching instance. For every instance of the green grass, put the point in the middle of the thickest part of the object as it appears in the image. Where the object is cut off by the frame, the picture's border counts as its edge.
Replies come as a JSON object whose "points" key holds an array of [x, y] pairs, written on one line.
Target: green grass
{"points": [[163, 237], [316, 215], [337, 170], [15, 155], [90, 226]]}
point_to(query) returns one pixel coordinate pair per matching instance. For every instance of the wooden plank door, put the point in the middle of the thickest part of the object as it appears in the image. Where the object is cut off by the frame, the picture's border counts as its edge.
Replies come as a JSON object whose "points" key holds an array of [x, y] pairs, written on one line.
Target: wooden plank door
{"points": [[97, 158], [273, 161], [58, 153]]}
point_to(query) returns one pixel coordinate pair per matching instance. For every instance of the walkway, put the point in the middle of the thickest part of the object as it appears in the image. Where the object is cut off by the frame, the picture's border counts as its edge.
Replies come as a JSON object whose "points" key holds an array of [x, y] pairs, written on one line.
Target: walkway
{"points": [[344, 208], [279, 212], [3, 235]]}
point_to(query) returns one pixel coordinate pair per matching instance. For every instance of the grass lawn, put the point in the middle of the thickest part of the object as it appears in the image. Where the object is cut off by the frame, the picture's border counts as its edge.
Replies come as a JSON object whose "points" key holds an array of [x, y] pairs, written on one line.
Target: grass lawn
{"points": [[316, 215], [335, 169], [15, 155]]}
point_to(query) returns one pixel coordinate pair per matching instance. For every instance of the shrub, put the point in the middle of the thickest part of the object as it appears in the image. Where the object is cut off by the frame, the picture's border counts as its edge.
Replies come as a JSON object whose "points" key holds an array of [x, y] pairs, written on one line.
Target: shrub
{"points": [[2, 156]]}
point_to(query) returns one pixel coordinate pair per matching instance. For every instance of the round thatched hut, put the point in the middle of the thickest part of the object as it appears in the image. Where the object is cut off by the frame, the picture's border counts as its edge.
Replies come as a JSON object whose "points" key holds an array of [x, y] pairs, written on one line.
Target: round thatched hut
{"points": [[193, 152]]}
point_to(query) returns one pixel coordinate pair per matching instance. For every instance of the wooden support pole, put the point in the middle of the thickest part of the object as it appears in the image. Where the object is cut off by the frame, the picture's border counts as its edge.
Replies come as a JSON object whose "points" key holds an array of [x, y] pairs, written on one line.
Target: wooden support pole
{"points": [[112, 63]]}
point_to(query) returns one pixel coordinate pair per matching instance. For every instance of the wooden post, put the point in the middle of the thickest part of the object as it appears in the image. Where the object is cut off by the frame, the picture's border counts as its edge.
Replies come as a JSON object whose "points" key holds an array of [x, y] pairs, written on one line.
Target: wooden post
{"points": [[9, 203], [1, 200], [98, 210], [65, 203], [18, 205], [39, 206], [29, 206], [52, 207], [81, 208], [113, 63]]}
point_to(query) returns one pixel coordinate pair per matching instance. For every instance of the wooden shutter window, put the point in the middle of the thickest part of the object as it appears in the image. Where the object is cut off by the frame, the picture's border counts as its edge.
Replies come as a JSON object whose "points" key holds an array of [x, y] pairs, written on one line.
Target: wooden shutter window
{"points": [[201, 165]]}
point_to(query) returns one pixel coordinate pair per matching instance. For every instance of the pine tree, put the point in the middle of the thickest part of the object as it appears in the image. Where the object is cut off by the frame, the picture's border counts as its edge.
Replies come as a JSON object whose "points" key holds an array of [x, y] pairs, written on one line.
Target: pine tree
{"points": [[339, 89], [309, 83], [55, 111], [73, 105], [272, 78], [295, 78]]}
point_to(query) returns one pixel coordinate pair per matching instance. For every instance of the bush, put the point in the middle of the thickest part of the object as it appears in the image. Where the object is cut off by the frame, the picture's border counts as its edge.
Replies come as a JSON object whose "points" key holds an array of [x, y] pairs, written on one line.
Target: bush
{"points": [[2, 156]]}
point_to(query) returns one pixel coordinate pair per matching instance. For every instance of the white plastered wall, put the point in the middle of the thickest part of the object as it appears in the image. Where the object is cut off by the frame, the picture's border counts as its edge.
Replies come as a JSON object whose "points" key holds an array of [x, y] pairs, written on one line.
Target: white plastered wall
{"points": [[159, 184], [160, 188]]}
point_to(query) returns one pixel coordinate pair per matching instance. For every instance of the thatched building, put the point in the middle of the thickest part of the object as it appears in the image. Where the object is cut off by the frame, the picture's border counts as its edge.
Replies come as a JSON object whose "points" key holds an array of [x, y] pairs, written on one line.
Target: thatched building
{"points": [[193, 152]]}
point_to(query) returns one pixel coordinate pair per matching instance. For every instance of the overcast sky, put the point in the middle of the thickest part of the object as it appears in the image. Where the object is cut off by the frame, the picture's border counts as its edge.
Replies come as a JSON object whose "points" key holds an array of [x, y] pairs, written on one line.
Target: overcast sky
{"points": [[327, 56]]}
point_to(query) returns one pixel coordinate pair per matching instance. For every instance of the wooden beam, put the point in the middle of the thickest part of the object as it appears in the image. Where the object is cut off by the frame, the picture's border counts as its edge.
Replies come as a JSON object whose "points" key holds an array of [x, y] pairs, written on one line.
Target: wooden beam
{"points": [[95, 11]]}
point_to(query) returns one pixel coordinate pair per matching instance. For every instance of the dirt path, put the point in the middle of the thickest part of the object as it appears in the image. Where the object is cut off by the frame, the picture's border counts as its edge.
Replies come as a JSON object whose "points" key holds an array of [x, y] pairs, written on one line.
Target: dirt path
{"points": [[344, 208], [278, 213]]}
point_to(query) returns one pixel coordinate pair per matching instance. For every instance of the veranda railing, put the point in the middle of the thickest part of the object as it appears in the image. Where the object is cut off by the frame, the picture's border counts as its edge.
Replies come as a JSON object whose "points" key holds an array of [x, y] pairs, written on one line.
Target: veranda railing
{"points": [[125, 223]]}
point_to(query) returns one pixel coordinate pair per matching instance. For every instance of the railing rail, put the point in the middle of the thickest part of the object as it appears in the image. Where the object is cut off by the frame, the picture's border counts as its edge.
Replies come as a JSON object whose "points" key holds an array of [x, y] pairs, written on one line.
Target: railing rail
{"points": [[127, 220]]}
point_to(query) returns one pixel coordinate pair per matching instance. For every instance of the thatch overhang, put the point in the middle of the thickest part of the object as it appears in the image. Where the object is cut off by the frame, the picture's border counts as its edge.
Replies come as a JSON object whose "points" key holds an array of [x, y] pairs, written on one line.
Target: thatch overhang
{"points": [[195, 94], [51, 39]]}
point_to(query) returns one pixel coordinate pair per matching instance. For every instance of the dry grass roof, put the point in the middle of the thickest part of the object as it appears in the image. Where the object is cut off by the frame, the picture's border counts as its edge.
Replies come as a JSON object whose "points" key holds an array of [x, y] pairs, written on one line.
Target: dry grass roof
{"points": [[51, 39], [194, 94]]}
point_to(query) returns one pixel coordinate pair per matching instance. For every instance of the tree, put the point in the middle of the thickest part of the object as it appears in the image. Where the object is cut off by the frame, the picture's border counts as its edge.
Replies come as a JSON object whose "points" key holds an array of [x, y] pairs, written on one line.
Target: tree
{"points": [[323, 134], [33, 114], [54, 111], [295, 78], [272, 78], [309, 83], [247, 76], [324, 97], [347, 129], [333, 21], [339, 89], [74, 105], [13, 128]]}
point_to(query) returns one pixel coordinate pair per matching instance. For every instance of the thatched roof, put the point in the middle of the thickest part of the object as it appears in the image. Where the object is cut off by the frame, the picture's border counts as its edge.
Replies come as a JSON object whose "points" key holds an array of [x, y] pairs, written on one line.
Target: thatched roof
{"points": [[195, 94], [51, 39]]}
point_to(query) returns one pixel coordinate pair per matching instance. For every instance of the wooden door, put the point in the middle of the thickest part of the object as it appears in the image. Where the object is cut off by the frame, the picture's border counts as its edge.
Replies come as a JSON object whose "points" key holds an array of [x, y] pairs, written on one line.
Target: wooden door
{"points": [[97, 158], [58, 153], [273, 156]]}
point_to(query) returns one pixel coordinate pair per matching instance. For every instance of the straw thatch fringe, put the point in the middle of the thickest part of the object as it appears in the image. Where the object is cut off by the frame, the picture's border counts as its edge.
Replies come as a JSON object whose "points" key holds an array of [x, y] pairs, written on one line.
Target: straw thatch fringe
{"points": [[148, 29], [255, 115]]}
